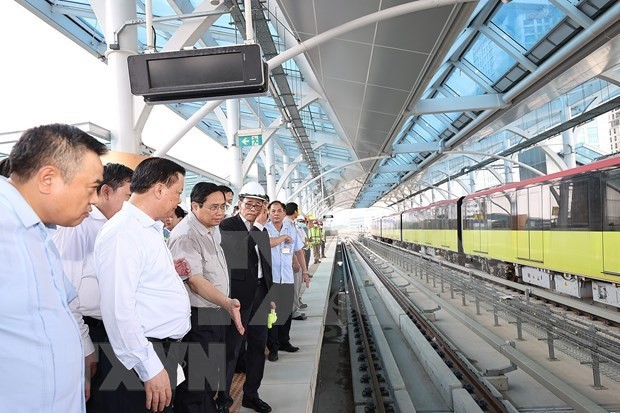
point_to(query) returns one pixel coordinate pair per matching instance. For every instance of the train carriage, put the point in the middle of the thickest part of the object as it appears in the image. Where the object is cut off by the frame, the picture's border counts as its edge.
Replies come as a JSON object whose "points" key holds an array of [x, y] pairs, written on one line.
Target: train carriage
{"points": [[375, 229], [555, 231], [433, 229], [391, 228]]}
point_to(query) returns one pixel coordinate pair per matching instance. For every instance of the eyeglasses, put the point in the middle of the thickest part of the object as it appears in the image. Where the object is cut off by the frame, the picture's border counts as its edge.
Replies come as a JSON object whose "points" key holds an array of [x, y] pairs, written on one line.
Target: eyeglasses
{"points": [[214, 208], [252, 206]]}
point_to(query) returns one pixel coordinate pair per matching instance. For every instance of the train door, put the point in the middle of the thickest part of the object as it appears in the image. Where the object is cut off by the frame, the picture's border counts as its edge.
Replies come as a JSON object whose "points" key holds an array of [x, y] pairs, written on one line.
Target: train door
{"points": [[523, 237], [611, 223], [531, 218], [535, 223], [484, 233], [480, 235], [443, 225]]}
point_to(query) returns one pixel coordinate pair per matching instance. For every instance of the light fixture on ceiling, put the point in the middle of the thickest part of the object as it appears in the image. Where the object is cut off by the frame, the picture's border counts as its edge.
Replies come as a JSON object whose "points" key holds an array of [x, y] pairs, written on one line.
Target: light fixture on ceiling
{"points": [[215, 2]]}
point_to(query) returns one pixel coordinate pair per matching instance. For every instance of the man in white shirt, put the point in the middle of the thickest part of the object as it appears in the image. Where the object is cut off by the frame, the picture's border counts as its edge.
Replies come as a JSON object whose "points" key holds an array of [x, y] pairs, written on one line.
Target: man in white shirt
{"points": [[144, 305], [208, 287], [56, 171], [285, 244], [291, 216], [76, 246]]}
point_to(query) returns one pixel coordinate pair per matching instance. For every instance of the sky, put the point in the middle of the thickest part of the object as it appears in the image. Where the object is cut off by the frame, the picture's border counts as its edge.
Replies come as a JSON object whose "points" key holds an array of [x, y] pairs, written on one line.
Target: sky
{"points": [[47, 78]]}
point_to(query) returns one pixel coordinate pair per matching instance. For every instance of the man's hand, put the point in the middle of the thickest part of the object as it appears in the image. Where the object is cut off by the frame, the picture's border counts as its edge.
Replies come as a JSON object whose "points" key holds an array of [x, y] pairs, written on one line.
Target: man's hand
{"points": [[158, 392], [287, 239], [182, 267], [234, 309], [306, 278], [262, 217], [90, 367]]}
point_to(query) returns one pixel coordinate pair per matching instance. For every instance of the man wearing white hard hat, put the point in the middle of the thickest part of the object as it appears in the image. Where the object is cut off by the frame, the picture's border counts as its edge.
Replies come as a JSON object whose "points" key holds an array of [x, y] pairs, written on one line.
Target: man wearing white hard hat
{"points": [[248, 256]]}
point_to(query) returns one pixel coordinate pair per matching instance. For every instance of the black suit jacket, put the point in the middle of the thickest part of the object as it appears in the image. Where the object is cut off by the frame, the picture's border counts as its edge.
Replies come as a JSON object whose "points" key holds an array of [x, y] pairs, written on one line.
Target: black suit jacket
{"points": [[242, 260]]}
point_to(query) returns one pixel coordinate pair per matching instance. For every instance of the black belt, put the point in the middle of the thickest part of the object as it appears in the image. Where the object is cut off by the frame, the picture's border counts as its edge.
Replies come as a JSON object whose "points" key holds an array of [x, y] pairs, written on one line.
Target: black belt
{"points": [[163, 340]]}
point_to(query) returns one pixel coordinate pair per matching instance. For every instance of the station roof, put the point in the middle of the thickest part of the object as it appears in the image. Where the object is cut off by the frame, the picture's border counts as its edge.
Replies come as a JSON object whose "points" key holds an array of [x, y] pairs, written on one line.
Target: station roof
{"points": [[383, 107]]}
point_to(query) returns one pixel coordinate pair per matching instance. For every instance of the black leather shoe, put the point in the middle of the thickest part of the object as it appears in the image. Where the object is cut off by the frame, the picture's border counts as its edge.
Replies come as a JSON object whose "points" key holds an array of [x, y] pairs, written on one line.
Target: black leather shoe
{"points": [[289, 348], [255, 403], [221, 409], [273, 356], [303, 306], [300, 317]]}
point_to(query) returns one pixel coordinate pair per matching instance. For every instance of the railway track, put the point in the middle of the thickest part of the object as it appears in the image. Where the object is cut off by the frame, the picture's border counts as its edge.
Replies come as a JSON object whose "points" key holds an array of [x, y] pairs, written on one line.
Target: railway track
{"points": [[483, 395], [595, 346]]}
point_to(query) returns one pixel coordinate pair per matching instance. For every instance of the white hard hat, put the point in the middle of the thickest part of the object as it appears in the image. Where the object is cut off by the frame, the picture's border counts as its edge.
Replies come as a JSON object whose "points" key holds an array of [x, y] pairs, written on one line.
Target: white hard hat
{"points": [[253, 190]]}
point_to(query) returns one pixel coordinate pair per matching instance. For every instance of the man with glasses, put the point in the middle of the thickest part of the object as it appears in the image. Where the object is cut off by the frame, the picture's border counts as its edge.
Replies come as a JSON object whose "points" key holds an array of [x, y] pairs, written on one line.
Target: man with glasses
{"points": [[208, 288], [248, 256]]}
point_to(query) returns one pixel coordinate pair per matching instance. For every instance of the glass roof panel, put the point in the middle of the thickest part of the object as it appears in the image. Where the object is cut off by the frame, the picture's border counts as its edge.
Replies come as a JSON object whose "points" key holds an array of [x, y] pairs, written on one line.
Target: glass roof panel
{"points": [[527, 21], [463, 85], [160, 9], [434, 123], [488, 58], [422, 133]]}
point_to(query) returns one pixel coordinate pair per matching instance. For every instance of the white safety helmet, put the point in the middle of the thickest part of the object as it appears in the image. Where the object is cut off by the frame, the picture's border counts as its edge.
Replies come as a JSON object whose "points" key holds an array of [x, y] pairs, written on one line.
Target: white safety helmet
{"points": [[253, 190]]}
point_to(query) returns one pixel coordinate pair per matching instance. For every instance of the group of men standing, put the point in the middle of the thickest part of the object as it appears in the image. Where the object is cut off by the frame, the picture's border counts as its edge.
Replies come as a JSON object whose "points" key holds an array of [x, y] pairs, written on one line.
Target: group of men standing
{"points": [[133, 308]]}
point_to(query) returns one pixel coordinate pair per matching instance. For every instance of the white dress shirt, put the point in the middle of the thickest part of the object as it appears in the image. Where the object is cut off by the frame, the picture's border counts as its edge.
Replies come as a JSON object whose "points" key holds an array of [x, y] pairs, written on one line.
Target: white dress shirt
{"points": [[76, 246], [260, 226], [282, 254], [41, 353], [141, 293]]}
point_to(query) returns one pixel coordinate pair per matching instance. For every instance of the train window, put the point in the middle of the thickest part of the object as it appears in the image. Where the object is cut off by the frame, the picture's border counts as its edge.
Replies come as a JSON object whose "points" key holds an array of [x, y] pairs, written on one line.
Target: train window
{"points": [[452, 217], [570, 206], [535, 209], [469, 209], [612, 202], [499, 215], [520, 221]]}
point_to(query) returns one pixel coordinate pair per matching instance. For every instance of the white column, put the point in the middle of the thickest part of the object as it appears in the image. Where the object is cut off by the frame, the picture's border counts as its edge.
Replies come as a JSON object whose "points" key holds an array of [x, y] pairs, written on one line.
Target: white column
{"points": [[124, 137], [568, 139], [270, 170], [286, 161], [234, 150]]}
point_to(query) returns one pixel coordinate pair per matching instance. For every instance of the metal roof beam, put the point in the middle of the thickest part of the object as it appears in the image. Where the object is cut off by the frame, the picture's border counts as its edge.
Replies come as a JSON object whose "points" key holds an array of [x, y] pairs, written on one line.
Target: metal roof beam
{"points": [[416, 147], [385, 181], [396, 168], [459, 104]]}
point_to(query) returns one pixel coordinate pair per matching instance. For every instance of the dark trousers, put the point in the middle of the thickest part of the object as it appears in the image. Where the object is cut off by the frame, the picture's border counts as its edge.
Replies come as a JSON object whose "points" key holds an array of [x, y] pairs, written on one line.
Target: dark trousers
{"points": [[122, 391], [205, 361], [97, 333], [254, 320], [307, 256], [282, 295]]}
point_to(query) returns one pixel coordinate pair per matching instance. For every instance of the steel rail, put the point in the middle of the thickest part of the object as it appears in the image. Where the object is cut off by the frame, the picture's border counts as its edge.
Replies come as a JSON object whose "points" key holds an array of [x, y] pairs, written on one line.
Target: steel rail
{"points": [[429, 331], [356, 302]]}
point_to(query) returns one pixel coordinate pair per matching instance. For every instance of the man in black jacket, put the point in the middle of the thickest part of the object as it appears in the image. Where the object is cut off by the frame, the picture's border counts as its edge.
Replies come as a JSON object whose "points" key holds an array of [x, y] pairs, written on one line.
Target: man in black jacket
{"points": [[248, 256]]}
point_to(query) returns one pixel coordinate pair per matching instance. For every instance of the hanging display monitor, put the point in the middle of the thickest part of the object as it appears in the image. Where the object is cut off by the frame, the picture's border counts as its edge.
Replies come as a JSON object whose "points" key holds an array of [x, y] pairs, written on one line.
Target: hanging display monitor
{"points": [[201, 74]]}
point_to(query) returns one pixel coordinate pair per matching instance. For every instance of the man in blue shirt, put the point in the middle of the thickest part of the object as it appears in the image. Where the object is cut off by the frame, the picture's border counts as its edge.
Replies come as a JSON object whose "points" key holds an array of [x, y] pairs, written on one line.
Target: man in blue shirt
{"points": [[285, 242], [56, 171]]}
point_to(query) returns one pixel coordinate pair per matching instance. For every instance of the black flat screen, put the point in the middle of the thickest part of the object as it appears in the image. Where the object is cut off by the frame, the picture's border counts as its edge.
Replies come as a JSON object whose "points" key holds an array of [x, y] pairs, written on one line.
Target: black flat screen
{"points": [[199, 70]]}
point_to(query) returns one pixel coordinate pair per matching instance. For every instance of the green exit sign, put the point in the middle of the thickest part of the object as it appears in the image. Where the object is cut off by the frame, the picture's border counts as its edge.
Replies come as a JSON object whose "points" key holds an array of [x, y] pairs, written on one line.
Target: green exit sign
{"points": [[250, 137]]}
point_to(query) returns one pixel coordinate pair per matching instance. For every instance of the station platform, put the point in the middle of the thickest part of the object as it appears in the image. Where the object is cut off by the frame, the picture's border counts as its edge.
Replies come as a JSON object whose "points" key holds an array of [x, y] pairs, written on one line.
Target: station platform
{"points": [[289, 383]]}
